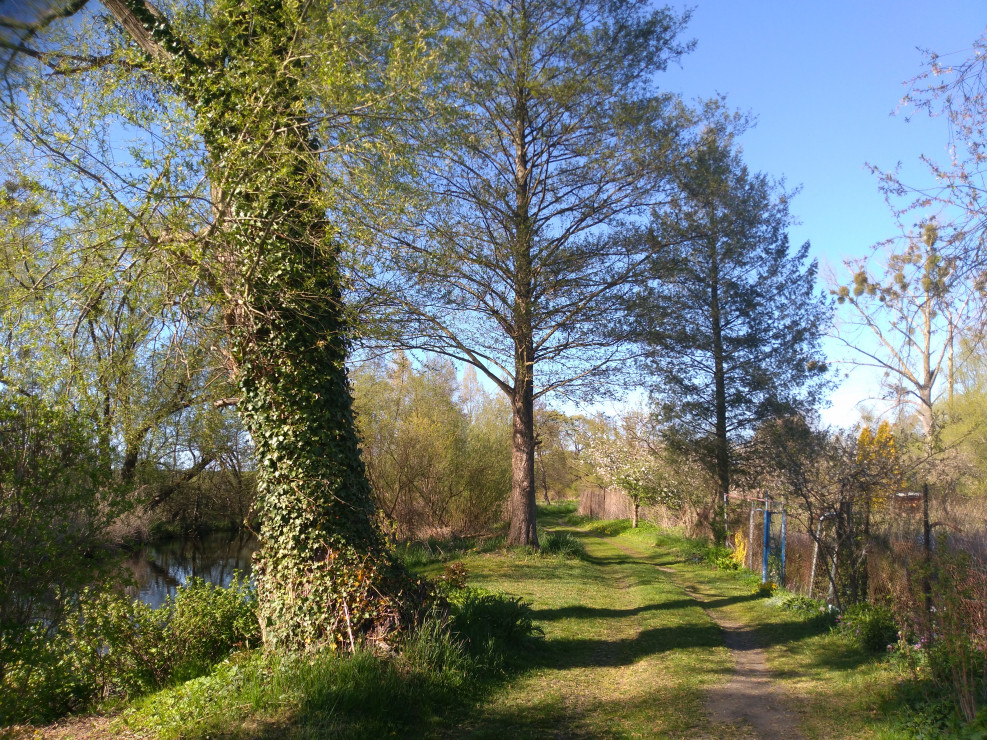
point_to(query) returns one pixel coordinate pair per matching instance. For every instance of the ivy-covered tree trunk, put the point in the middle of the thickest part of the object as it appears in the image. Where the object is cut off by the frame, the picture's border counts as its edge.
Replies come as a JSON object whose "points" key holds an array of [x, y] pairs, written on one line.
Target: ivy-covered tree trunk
{"points": [[324, 575]]}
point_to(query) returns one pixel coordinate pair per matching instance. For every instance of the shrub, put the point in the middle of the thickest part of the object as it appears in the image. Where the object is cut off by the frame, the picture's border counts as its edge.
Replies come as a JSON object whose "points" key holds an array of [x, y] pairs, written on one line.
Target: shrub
{"points": [[564, 544], [454, 575], [727, 562], [57, 497], [110, 646], [871, 626], [490, 624], [206, 623], [951, 621], [803, 605]]}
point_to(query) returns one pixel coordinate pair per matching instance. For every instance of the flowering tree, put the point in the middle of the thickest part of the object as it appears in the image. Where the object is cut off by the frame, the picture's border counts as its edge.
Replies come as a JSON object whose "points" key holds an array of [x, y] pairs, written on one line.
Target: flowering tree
{"points": [[627, 455]]}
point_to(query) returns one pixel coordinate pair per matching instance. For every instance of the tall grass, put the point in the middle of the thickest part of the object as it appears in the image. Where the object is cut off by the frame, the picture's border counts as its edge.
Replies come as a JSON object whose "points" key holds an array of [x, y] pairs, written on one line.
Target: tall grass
{"points": [[444, 663]]}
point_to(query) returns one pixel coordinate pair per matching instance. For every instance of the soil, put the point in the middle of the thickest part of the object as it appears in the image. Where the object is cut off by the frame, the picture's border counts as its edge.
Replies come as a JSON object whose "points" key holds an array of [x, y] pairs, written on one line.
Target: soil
{"points": [[752, 701]]}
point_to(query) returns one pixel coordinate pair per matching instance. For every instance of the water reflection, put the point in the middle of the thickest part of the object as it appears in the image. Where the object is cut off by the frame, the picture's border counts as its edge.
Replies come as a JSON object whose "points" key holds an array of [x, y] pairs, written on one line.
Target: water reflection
{"points": [[160, 568]]}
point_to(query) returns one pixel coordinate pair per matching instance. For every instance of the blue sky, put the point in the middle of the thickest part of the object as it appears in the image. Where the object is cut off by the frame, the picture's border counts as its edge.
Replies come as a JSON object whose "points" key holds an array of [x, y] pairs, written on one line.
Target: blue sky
{"points": [[822, 80]]}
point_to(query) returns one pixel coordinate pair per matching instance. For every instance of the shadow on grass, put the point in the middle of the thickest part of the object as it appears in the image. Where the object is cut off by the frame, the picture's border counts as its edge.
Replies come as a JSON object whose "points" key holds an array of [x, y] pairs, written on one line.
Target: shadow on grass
{"points": [[592, 612], [673, 710], [565, 653]]}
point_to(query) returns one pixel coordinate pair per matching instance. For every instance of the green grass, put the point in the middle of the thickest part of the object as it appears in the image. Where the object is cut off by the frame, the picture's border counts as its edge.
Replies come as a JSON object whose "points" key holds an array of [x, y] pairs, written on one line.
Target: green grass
{"points": [[840, 690], [626, 652]]}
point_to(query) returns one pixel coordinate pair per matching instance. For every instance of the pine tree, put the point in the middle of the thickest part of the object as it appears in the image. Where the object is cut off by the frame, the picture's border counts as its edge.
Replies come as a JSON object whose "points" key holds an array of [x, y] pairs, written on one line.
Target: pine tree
{"points": [[730, 317], [559, 135]]}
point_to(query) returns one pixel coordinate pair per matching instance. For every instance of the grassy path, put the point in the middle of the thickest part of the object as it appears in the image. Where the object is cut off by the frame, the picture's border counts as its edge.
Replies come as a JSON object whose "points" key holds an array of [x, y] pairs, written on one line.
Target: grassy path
{"points": [[640, 641], [634, 648], [626, 653]]}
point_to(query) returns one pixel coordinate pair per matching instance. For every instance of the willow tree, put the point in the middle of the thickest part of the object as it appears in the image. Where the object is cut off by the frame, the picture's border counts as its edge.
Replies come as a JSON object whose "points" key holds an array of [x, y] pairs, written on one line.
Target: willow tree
{"points": [[557, 137], [261, 120]]}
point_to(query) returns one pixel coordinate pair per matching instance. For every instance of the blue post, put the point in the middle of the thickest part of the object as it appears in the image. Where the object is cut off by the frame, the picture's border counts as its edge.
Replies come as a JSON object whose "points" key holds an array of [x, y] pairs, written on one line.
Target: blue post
{"points": [[784, 517], [767, 542]]}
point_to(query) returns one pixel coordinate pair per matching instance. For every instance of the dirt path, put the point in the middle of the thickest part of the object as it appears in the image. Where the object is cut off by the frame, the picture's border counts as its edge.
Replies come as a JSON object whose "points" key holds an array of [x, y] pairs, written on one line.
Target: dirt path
{"points": [[752, 701], [752, 696]]}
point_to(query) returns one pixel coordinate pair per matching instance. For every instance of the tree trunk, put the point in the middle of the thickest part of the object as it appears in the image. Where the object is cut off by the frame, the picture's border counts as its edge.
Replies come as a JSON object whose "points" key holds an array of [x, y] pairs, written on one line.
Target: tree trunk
{"points": [[522, 509], [637, 508], [544, 474], [926, 562], [718, 524], [522, 506]]}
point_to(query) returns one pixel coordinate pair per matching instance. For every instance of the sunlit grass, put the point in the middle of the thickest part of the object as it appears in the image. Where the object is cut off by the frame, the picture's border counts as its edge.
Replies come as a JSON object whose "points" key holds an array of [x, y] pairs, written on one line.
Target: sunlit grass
{"points": [[627, 652]]}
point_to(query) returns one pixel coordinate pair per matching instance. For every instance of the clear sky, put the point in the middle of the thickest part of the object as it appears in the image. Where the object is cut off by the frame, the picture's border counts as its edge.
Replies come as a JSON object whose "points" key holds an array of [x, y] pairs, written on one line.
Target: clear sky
{"points": [[822, 80]]}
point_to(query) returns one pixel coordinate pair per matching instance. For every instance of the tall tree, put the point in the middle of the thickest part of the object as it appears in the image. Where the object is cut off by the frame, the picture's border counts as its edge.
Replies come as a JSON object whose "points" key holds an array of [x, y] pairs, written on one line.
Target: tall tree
{"points": [[275, 106], [907, 320], [729, 316], [559, 135]]}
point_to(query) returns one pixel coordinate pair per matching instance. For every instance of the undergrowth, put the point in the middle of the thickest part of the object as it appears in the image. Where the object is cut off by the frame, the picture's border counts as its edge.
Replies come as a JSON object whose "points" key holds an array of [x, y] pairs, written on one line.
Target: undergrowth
{"points": [[564, 544], [445, 662], [109, 648], [419, 553]]}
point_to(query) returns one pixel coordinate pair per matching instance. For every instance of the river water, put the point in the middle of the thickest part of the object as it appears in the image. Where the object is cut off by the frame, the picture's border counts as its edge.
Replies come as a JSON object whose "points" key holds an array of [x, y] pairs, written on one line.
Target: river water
{"points": [[159, 568]]}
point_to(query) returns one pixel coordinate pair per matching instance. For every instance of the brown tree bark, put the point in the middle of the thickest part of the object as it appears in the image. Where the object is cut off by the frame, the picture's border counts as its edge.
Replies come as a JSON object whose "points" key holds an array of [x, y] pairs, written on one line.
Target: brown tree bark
{"points": [[722, 446]]}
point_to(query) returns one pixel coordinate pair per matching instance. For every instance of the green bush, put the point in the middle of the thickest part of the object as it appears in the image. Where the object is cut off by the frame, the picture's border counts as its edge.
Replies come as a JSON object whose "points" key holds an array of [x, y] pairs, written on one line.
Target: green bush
{"points": [[110, 646], [57, 497], [491, 624], [564, 544], [803, 605], [726, 562], [871, 626], [207, 623]]}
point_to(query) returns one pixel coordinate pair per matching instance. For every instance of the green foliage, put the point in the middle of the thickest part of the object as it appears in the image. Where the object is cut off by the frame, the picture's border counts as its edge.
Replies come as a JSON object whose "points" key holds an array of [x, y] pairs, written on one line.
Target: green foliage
{"points": [[562, 543], [872, 627], [57, 496], [491, 624], [442, 662], [364, 695], [109, 646], [246, 173], [802, 605], [437, 450], [727, 562]]}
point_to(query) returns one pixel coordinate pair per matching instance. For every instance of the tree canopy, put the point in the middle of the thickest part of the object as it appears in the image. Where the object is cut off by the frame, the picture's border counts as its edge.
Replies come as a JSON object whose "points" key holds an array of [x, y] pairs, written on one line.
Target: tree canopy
{"points": [[557, 135], [730, 318], [260, 132]]}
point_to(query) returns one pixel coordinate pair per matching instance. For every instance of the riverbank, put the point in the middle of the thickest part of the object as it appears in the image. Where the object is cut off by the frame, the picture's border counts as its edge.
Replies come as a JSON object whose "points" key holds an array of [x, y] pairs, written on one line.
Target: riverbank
{"points": [[636, 644]]}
